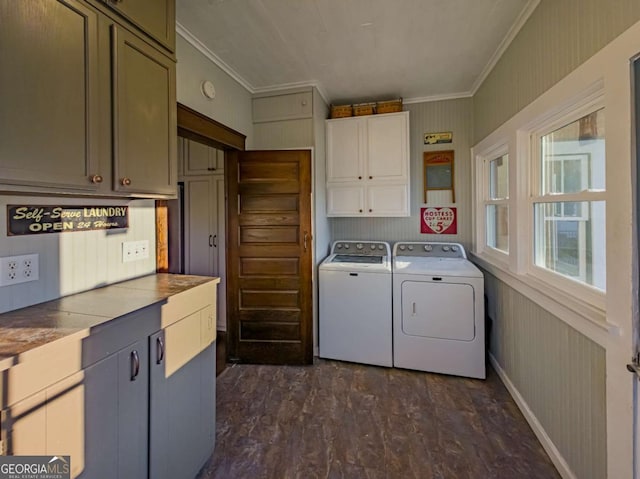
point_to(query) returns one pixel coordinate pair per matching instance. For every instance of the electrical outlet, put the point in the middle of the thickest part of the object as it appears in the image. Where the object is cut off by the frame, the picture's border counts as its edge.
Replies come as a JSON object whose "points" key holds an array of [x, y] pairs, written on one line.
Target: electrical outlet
{"points": [[135, 250], [19, 269]]}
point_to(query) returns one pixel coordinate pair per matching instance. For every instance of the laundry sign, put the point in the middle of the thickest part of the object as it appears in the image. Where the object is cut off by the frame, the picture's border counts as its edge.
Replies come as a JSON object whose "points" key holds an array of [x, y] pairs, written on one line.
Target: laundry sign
{"points": [[40, 219], [438, 221]]}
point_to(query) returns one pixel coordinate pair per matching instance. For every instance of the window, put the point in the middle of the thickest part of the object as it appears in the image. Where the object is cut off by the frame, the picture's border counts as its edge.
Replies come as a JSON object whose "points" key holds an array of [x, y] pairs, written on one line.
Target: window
{"points": [[569, 200], [497, 203]]}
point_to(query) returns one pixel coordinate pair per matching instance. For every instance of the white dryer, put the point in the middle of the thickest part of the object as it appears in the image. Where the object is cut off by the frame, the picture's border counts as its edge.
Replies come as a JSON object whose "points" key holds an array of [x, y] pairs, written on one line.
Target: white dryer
{"points": [[438, 310], [355, 314]]}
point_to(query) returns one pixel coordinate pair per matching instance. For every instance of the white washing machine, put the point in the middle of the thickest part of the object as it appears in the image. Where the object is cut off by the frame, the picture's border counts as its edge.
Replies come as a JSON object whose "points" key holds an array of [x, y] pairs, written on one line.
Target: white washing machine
{"points": [[438, 310], [355, 314]]}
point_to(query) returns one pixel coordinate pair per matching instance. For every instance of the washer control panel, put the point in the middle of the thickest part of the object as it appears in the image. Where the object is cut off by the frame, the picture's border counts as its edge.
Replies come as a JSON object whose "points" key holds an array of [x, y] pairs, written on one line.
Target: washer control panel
{"points": [[365, 248], [430, 249]]}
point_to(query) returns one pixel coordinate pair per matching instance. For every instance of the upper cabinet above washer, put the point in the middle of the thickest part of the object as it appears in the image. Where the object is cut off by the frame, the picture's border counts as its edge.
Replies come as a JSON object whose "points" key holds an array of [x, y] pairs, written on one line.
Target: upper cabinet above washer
{"points": [[368, 165]]}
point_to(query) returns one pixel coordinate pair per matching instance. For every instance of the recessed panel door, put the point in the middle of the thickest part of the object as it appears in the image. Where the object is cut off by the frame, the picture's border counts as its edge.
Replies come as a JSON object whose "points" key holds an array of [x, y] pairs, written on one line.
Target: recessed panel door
{"points": [[438, 310], [269, 245]]}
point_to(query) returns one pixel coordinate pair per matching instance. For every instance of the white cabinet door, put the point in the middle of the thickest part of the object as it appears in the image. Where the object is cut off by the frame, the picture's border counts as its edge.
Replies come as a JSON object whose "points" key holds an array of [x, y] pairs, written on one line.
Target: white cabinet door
{"points": [[221, 254], [345, 150], [368, 166], [387, 200], [199, 159], [345, 201], [200, 222], [388, 147]]}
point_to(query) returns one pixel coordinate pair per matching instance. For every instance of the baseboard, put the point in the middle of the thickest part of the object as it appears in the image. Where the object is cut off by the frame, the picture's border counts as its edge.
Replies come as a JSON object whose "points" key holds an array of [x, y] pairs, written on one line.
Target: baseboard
{"points": [[541, 434]]}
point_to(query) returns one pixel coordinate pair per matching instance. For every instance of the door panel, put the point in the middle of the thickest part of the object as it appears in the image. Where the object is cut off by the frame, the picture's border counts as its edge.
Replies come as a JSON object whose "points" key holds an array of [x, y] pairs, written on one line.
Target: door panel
{"points": [[438, 310], [269, 257]]}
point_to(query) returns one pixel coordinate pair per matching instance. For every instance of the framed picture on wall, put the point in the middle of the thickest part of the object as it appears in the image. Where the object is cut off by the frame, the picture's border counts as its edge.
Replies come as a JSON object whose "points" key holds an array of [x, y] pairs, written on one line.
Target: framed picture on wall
{"points": [[438, 172]]}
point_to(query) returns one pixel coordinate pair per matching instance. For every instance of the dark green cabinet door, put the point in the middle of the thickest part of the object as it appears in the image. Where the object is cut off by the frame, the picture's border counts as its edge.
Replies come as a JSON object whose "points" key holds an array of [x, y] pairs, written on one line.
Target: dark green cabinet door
{"points": [[49, 79], [157, 18], [144, 117]]}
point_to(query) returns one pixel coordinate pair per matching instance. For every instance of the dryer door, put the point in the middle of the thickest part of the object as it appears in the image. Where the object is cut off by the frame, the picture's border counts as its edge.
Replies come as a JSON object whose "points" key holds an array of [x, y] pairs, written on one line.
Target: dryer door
{"points": [[442, 310]]}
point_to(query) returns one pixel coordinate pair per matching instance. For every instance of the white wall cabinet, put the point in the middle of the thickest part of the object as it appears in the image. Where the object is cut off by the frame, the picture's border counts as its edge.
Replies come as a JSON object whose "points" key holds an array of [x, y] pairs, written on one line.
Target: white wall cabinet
{"points": [[200, 159], [205, 215], [368, 165]]}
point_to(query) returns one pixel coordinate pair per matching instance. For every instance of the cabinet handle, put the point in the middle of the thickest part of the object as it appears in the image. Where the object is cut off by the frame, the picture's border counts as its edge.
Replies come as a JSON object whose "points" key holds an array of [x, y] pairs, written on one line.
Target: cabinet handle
{"points": [[215, 245], [360, 211], [210, 241], [371, 177], [359, 177], [95, 179], [306, 237], [370, 210], [135, 365], [159, 350], [125, 181], [211, 169]]}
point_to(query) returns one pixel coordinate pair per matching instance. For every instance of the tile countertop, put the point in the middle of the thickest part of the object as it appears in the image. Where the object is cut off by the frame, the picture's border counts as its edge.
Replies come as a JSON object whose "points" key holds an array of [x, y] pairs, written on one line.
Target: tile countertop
{"points": [[25, 330]]}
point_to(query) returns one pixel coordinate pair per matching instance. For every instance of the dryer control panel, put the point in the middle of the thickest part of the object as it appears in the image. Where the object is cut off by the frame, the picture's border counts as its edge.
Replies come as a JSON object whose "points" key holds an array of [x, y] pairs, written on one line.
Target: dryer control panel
{"points": [[430, 249]]}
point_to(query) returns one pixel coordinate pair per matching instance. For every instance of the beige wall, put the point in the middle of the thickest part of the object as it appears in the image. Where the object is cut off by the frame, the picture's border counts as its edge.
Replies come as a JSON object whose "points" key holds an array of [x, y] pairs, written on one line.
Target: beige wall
{"points": [[557, 371], [232, 103], [558, 36], [450, 115], [556, 358]]}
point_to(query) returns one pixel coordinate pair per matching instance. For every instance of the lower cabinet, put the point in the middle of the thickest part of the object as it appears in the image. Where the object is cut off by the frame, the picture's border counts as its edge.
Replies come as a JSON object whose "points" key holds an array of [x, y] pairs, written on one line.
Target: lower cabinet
{"points": [[98, 416], [182, 397], [145, 410]]}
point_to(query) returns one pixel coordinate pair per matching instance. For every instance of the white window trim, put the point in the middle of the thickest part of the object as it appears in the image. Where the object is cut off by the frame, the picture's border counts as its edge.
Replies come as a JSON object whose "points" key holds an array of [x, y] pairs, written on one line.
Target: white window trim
{"points": [[483, 161], [589, 102], [578, 304]]}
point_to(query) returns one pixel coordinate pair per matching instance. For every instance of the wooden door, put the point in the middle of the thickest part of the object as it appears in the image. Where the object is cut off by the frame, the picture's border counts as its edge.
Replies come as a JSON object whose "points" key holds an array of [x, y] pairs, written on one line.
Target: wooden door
{"points": [[269, 299]]}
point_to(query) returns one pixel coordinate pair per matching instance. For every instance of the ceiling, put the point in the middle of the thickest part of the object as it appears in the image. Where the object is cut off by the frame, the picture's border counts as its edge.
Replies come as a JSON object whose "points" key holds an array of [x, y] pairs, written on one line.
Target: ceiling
{"points": [[355, 50]]}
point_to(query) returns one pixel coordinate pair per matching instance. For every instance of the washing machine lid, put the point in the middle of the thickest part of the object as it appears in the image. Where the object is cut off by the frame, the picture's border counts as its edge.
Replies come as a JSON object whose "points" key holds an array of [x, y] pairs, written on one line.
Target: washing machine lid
{"points": [[355, 263], [452, 267]]}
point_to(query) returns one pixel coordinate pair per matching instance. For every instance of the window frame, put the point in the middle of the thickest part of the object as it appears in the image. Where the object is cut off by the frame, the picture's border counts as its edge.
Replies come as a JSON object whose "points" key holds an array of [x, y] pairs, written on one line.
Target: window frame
{"points": [[580, 290], [485, 158]]}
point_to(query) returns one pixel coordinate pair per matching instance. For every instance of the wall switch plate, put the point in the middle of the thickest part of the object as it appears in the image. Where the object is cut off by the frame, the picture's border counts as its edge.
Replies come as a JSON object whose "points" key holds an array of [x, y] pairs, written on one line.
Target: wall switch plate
{"points": [[135, 250], [19, 269]]}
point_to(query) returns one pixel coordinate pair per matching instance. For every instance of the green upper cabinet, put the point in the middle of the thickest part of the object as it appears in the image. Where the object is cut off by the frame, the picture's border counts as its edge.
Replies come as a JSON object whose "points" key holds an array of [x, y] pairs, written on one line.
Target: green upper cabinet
{"points": [[49, 128], [144, 117], [88, 103], [157, 18]]}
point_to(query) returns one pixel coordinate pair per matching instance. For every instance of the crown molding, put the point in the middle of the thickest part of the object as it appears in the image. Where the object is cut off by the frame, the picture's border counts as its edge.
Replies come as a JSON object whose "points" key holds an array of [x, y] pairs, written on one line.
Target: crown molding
{"points": [[202, 48], [290, 86], [504, 44], [431, 98]]}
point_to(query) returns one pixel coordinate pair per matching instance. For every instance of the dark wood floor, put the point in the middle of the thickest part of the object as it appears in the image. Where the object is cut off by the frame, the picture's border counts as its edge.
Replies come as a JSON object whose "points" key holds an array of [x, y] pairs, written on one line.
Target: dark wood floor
{"points": [[342, 420]]}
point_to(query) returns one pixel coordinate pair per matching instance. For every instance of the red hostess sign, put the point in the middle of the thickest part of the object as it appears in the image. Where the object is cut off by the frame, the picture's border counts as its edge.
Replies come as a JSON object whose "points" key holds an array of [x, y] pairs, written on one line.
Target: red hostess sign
{"points": [[438, 221]]}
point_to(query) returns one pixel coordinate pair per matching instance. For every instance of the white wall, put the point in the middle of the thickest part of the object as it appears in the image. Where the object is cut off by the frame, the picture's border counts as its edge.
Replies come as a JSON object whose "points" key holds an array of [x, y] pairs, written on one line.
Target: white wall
{"points": [[78, 261]]}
